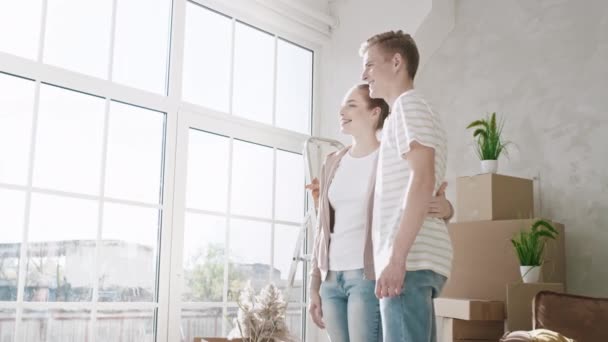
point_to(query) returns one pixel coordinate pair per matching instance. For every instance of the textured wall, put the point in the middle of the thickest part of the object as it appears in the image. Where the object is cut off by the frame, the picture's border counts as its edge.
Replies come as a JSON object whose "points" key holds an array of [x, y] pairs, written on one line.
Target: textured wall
{"points": [[543, 66]]}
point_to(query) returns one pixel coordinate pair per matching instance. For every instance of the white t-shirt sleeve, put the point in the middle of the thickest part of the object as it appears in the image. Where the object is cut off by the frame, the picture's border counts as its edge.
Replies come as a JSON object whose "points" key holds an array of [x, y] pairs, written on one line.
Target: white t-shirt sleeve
{"points": [[414, 122]]}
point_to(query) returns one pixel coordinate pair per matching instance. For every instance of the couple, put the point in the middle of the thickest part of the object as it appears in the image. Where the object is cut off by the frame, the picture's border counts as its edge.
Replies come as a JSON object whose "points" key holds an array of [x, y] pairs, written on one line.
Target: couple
{"points": [[390, 192]]}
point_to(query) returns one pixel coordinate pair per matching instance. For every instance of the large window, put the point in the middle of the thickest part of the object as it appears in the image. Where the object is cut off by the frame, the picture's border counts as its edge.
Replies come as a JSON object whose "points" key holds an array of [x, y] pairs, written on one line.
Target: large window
{"points": [[96, 107], [235, 68], [244, 205], [83, 200]]}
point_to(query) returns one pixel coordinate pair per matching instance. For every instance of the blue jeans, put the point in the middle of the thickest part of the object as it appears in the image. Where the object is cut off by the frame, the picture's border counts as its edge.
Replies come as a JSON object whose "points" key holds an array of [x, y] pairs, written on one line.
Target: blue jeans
{"points": [[350, 308], [410, 317]]}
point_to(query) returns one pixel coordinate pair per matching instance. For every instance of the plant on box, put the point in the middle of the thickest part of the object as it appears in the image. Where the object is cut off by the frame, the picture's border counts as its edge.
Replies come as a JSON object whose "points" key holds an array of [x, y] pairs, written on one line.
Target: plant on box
{"points": [[489, 143], [530, 247]]}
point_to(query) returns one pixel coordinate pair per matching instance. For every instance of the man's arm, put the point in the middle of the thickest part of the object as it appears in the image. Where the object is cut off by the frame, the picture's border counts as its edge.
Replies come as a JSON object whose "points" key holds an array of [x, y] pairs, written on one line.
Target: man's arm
{"points": [[421, 160]]}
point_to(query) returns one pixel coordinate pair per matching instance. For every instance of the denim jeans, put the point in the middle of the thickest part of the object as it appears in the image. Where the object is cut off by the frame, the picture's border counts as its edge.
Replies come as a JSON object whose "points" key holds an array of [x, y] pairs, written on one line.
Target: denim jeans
{"points": [[410, 317], [350, 308]]}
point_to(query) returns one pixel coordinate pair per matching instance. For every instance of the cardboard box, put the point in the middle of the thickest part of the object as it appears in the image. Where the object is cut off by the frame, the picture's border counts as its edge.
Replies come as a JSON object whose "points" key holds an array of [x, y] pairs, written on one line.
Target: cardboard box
{"points": [[451, 330], [520, 297], [485, 260], [470, 309], [490, 197]]}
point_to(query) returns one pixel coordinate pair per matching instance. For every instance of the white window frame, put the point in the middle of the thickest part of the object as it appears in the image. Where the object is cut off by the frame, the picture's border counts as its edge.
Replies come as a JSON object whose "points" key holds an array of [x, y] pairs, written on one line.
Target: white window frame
{"points": [[178, 114]]}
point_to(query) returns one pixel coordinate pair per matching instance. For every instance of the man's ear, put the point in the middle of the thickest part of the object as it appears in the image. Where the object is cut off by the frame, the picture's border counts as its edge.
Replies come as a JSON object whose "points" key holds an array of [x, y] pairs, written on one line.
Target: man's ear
{"points": [[398, 62]]}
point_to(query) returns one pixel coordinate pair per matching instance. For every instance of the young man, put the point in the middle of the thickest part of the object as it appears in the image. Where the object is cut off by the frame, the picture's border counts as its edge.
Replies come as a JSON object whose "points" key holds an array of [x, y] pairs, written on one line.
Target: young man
{"points": [[412, 253]]}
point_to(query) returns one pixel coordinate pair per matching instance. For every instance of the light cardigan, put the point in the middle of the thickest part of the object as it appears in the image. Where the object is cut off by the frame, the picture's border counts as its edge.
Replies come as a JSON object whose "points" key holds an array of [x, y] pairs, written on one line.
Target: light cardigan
{"points": [[325, 222]]}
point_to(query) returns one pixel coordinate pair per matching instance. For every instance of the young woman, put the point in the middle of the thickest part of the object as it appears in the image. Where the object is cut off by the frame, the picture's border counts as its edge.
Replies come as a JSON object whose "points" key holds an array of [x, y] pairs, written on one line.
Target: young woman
{"points": [[342, 279]]}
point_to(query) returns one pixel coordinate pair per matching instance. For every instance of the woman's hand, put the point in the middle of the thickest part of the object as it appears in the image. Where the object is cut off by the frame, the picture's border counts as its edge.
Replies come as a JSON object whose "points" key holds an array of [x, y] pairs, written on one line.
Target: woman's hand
{"points": [[440, 207], [315, 311], [314, 189]]}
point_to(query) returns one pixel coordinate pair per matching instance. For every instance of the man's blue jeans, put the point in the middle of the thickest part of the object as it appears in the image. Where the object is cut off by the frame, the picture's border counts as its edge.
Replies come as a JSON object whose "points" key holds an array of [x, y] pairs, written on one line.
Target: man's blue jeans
{"points": [[410, 317], [350, 308]]}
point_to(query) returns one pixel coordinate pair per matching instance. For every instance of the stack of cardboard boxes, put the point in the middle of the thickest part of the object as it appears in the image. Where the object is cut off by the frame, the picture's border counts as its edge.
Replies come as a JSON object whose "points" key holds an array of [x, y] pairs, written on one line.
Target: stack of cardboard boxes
{"points": [[485, 294]]}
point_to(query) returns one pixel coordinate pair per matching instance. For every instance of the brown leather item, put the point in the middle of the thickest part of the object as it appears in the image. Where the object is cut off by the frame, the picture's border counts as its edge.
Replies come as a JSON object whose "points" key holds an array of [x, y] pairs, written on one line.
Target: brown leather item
{"points": [[581, 318]]}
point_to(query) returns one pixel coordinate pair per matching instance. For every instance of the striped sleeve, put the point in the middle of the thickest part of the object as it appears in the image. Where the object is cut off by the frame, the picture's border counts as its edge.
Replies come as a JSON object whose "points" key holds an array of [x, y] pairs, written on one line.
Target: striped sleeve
{"points": [[414, 122]]}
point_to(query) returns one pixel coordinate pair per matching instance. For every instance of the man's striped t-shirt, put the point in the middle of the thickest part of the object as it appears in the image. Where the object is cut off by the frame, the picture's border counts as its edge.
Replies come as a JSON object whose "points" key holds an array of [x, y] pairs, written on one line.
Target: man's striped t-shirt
{"points": [[411, 119]]}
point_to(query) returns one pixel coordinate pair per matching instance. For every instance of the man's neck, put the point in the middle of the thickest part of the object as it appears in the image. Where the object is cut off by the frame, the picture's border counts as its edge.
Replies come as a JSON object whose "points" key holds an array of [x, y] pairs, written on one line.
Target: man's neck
{"points": [[399, 89]]}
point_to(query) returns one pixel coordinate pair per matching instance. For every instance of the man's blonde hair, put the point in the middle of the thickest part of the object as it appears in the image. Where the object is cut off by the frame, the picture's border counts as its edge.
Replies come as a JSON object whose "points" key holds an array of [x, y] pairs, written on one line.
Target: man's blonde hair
{"points": [[392, 42]]}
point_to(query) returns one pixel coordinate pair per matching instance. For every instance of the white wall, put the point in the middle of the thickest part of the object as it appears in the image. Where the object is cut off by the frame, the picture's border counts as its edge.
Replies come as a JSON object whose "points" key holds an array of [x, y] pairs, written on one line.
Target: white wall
{"points": [[542, 65]]}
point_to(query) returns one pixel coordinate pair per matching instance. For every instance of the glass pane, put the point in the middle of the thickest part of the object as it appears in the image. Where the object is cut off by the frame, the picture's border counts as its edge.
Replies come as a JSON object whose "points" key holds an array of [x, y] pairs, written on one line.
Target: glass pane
{"points": [[293, 319], [249, 255], [69, 141], [207, 182], [201, 323], [294, 87], [285, 239], [207, 57], [77, 35], [22, 19], [204, 256], [54, 325], [7, 325], [17, 105], [125, 325], [253, 74], [130, 236], [289, 200], [251, 180], [135, 153], [62, 235], [141, 44], [12, 203]]}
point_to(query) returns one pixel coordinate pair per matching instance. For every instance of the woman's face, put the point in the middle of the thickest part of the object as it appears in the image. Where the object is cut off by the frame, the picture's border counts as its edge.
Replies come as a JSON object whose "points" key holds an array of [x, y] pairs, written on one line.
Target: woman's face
{"points": [[356, 118]]}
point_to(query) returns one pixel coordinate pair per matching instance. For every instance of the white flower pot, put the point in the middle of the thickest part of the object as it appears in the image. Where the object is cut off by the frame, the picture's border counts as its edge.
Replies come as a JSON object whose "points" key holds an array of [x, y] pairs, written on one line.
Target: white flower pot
{"points": [[531, 274], [489, 166]]}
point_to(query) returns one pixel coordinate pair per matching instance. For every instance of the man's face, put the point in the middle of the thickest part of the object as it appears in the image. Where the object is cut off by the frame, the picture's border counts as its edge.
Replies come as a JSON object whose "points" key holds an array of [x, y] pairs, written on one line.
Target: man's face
{"points": [[377, 72]]}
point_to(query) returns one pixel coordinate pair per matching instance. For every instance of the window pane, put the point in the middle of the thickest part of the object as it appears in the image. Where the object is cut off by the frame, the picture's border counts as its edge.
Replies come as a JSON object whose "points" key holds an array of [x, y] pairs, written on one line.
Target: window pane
{"points": [[69, 141], [17, 105], [125, 325], [294, 87], [293, 319], [54, 325], [7, 325], [207, 54], [253, 74], [130, 236], [12, 203], [289, 202], [207, 181], [22, 19], [249, 255], [204, 254], [201, 323], [135, 153], [251, 180], [77, 35], [62, 235], [141, 44], [285, 239]]}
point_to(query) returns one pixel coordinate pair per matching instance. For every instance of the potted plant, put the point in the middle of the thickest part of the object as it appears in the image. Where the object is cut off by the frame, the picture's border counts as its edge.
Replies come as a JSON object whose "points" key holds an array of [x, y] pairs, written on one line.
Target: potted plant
{"points": [[261, 318], [489, 142], [530, 246]]}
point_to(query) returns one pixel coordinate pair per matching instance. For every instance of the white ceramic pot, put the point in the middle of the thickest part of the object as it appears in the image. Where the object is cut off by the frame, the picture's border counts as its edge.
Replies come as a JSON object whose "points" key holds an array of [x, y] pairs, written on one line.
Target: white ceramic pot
{"points": [[489, 166], [530, 274]]}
